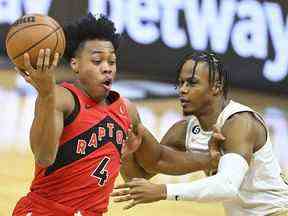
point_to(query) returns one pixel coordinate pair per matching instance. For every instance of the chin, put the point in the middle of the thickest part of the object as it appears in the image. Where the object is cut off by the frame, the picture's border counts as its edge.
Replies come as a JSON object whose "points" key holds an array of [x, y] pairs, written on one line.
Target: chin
{"points": [[187, 112]]}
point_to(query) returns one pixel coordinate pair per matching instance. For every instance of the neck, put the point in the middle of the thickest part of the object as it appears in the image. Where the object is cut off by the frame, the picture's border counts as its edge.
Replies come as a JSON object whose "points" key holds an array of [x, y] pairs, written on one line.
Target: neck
{"points": [[209, 118], [99, 100]]}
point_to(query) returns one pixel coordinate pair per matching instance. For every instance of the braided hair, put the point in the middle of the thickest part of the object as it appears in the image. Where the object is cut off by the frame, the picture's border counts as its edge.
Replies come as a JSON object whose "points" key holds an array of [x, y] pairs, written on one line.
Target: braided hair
{"points": [[217, 73]]}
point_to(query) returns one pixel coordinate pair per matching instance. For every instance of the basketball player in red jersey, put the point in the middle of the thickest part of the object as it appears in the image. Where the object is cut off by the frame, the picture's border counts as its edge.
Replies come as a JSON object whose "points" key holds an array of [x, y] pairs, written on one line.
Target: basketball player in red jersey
{"points": [[79, 129]]}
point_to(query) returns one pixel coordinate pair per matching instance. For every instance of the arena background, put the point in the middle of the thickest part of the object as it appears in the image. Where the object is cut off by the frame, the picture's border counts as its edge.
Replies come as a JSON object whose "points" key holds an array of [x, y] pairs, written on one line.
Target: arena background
{"points": [[250, 36]]}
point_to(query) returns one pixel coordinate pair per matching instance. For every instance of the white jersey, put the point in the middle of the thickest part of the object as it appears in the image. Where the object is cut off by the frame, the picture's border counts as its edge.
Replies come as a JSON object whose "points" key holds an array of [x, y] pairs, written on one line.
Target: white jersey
{"points": [[263, 191]]}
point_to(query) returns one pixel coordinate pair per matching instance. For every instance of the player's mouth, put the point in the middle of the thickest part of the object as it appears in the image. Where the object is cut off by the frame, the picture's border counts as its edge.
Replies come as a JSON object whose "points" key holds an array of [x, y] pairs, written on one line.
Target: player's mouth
{"points": [[184, 102], [107, 84]]}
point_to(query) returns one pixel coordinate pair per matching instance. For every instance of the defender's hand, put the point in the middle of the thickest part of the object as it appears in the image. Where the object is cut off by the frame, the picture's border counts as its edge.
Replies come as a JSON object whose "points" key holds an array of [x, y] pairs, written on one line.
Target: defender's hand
{"points": [[215, 143], [139, 191], [43, 77], [133, 140]]}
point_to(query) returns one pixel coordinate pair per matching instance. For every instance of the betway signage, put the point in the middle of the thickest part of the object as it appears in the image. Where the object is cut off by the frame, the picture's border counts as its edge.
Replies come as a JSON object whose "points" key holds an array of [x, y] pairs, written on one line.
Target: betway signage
{"points": [[246, 24], [244, 29]]}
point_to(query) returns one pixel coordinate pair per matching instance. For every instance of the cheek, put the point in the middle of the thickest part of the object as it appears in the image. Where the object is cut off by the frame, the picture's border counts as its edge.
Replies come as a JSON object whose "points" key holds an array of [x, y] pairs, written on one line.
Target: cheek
{"points": [[90, 73], [197, 93], [200, 97], [114, 70], [207, 101]]}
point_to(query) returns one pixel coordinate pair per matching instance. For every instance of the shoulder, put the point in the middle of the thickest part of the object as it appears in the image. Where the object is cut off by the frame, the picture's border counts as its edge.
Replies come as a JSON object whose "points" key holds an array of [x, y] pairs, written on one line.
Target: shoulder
{"points": [[244, 129], [132, 111], [243, 121], [130, 105], [64, 100], [62, 92], [176, 135]]}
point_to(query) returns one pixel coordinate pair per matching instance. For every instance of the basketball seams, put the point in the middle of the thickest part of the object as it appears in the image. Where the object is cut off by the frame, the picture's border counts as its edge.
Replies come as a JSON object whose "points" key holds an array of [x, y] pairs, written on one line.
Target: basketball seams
{"points": [[31, 36], [54, 22], [7, 40], [63, 41], [35, 44], [55, 47]]}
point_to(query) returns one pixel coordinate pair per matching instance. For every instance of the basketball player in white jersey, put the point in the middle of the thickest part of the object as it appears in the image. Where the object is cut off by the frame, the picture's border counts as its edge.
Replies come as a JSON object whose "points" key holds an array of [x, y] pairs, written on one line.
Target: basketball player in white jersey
{"points": [[248, 179]]}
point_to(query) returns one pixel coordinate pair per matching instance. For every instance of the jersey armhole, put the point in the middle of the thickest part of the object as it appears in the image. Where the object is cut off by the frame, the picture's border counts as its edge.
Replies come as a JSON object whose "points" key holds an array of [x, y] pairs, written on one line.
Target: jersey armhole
{"points": [[189, 123], [72, 116]]}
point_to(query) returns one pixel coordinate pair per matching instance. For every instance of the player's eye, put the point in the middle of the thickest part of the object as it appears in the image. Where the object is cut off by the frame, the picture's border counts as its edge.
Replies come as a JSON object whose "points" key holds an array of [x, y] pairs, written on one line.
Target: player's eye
{"points": [[191, 82], [111, 62], [96, 62]]}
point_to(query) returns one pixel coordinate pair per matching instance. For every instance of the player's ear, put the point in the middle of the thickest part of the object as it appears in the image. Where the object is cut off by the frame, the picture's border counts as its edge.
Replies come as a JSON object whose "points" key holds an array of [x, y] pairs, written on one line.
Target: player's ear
{"points": [[74, 65], [217, 88]]}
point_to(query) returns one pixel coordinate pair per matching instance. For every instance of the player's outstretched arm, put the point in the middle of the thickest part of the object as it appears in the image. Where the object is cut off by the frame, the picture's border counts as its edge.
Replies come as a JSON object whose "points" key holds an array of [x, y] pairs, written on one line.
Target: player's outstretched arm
{"points": [[50, 107], [242, 133], [170, 157], [155, 158]]}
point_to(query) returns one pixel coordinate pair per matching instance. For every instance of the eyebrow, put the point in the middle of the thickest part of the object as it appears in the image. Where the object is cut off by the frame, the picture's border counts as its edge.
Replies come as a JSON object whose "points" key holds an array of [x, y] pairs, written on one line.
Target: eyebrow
{"points": [[99, 51], [194, 78]]}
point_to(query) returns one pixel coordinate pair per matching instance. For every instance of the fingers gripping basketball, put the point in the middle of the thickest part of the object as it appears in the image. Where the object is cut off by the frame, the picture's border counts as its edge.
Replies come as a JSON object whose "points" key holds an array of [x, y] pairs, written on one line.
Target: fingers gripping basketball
{"points": [[30, 34]]}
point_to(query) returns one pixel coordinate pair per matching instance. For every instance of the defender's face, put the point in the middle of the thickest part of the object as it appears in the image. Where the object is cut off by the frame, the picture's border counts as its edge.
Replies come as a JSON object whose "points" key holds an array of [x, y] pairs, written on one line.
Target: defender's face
{"points": [[97, 67], [194, 93]]}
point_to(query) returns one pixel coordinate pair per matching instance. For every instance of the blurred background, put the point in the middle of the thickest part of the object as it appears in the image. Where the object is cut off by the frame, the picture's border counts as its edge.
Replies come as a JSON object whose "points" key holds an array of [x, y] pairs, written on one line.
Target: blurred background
{"points": [[251, 37]]}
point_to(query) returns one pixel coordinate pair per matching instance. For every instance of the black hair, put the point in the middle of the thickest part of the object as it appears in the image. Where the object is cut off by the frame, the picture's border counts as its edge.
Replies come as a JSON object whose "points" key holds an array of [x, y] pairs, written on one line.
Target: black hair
{"points": [[89, 28], [215, 67]]}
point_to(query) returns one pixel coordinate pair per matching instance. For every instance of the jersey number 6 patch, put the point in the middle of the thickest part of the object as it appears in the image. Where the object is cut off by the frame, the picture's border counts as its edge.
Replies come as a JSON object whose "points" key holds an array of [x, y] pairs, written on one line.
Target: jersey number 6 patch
{"points": [[100, 172]]}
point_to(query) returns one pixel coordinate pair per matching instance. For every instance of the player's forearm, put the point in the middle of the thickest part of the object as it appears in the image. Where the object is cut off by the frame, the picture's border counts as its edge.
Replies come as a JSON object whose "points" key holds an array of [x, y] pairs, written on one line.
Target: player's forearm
{"points": [[131, 169], [224, 186], [172, 162], [157, 158], [149, 152], [43, 138]]}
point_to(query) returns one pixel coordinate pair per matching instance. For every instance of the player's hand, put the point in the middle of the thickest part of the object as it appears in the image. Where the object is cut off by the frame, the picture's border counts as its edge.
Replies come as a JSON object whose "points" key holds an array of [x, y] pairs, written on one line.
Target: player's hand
{"points": [[42, 78], [214, 144], [139, 191], [133, 140]]}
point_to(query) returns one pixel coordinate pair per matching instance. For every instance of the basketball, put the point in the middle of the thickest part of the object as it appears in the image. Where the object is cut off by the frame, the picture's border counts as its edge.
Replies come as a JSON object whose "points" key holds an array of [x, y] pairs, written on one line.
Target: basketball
{"points": [[31, 33]]}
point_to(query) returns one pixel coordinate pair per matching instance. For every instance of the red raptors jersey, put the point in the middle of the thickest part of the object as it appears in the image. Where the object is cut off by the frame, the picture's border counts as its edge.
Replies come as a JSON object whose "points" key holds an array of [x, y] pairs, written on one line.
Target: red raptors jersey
{"points": [[88, 158]]}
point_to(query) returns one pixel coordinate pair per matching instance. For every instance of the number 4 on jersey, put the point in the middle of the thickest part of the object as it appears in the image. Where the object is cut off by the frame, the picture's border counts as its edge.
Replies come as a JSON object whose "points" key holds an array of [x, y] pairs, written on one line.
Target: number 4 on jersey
{"points": [[100, 172]]}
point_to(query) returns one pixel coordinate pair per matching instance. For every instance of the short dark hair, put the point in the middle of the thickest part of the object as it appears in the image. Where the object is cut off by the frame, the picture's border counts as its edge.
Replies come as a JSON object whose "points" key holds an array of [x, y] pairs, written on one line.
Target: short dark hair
{"points": [[215, 66], [89, 28]]}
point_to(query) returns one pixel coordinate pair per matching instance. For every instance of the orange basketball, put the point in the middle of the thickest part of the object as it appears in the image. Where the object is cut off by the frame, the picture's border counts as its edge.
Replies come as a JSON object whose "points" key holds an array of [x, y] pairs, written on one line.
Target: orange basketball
{"points": [[31, 33]]}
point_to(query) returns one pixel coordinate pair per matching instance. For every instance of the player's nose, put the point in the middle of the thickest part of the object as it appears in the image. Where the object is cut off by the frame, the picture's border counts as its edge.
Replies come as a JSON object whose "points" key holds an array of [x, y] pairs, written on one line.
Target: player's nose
{"points": [[183, 89], [106, 68]]}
